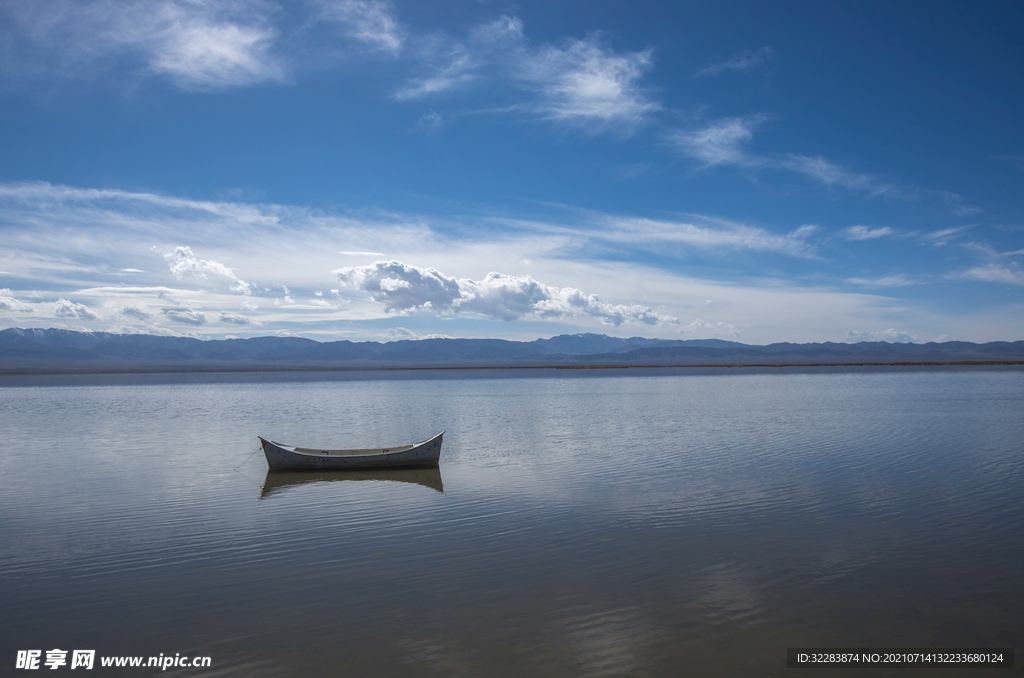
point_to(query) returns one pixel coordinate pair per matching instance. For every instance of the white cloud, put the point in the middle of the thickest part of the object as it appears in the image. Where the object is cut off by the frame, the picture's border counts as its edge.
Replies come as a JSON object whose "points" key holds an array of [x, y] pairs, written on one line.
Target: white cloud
{"points": [[581, 82], [63, 308], [9, 303], [708, 329], [236, 319], [956, 204], [720, 142], [995, 273], [585, 82], [886, 281], [368, 21], [401, 333], [189, 317], [403, 288], [943, 236], [866, 232], [741, 62], [203, 52], [182, 260], [712, 234], [890, 335], [199, 45], [831, 174], [451, 70], [137, 311]]}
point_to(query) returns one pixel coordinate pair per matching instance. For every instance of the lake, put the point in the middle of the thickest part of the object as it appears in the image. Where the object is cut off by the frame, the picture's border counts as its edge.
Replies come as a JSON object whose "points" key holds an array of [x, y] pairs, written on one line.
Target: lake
{"points": [[582, 522]]}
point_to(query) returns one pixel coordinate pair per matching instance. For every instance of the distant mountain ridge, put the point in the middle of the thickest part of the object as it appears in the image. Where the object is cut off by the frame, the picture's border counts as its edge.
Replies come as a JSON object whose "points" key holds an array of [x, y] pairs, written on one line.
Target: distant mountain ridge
{"points": [[30, 350]]}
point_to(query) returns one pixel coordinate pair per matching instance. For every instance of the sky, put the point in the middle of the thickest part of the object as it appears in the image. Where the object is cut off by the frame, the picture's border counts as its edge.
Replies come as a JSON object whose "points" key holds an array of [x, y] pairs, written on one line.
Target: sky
{"points": [[372, 170]]}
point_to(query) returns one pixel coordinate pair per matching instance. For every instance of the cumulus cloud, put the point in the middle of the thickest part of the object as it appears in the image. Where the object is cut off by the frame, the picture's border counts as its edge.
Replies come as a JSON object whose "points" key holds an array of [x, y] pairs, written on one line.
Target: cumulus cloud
{"points": [[187, 316], [402, 288], [137, 311], [866, 232], [741, 62], [9, 303], [63, 308], [235, 319], [890, 335], [182, 260]]}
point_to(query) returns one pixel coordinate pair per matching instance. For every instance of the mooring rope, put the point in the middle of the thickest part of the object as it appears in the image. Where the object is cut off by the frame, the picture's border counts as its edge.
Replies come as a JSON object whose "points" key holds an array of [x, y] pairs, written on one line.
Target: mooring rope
{"points": [[248, 458]]}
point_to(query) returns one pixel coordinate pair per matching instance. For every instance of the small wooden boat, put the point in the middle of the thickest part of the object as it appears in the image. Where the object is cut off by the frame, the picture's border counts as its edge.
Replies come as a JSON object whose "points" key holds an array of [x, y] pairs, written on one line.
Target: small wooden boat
{"points": [[303, 458]]}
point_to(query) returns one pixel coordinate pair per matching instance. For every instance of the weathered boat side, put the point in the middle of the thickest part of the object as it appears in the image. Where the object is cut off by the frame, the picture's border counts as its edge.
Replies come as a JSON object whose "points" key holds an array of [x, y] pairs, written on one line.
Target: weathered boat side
{"points": [[425, 454]]}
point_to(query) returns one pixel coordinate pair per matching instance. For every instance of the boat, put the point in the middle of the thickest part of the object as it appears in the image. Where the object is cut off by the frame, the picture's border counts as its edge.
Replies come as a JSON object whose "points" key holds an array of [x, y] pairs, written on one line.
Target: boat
{"points": [[278, 481], [281, 456]]}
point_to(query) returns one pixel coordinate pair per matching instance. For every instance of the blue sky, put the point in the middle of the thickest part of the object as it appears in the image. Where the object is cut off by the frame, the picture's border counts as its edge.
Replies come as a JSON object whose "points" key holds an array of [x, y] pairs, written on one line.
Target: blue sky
{"points": [[360, 169]]}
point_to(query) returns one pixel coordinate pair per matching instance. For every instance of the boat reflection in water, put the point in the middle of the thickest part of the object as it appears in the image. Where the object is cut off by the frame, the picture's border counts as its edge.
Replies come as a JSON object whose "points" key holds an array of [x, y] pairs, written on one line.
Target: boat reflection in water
{"points": [[279, 481]]}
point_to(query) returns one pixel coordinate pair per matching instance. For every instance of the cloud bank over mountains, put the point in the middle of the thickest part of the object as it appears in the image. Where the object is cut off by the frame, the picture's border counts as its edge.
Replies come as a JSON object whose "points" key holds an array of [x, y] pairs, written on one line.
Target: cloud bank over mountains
{"points": [[405, 289], [100, 260]]}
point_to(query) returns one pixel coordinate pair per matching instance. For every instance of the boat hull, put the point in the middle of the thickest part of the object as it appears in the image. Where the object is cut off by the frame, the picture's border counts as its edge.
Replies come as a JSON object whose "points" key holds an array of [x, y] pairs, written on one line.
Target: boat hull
{"points": [[425, 454]]}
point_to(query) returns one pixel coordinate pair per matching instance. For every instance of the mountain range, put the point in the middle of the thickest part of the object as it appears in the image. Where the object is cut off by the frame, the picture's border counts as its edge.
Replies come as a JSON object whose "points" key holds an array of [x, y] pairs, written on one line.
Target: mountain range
{"points": [[60, 350]]}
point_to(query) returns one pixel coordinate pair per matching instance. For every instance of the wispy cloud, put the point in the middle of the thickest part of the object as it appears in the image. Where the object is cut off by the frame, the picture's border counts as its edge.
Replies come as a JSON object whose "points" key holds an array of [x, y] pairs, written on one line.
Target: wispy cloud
{"points": [[585, 82], [884, 281], [830, 174], [943, 236], [371, 22], [581, 81], [890, 335], [998, 273], [723, 142], [957, 206], [198, 45], [866, 232], [456, 67], [402, 288], [710, 234], [743, 61], [208, 45]]}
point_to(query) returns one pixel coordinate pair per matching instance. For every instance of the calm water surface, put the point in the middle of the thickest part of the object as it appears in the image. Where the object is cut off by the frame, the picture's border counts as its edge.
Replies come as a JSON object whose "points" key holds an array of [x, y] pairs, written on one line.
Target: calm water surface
{"points": [[618, 523]]}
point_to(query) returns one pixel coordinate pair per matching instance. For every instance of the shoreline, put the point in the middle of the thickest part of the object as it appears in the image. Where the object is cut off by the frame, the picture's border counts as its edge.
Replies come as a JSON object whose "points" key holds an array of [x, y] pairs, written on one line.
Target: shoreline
{"points": [[274, 369]]}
